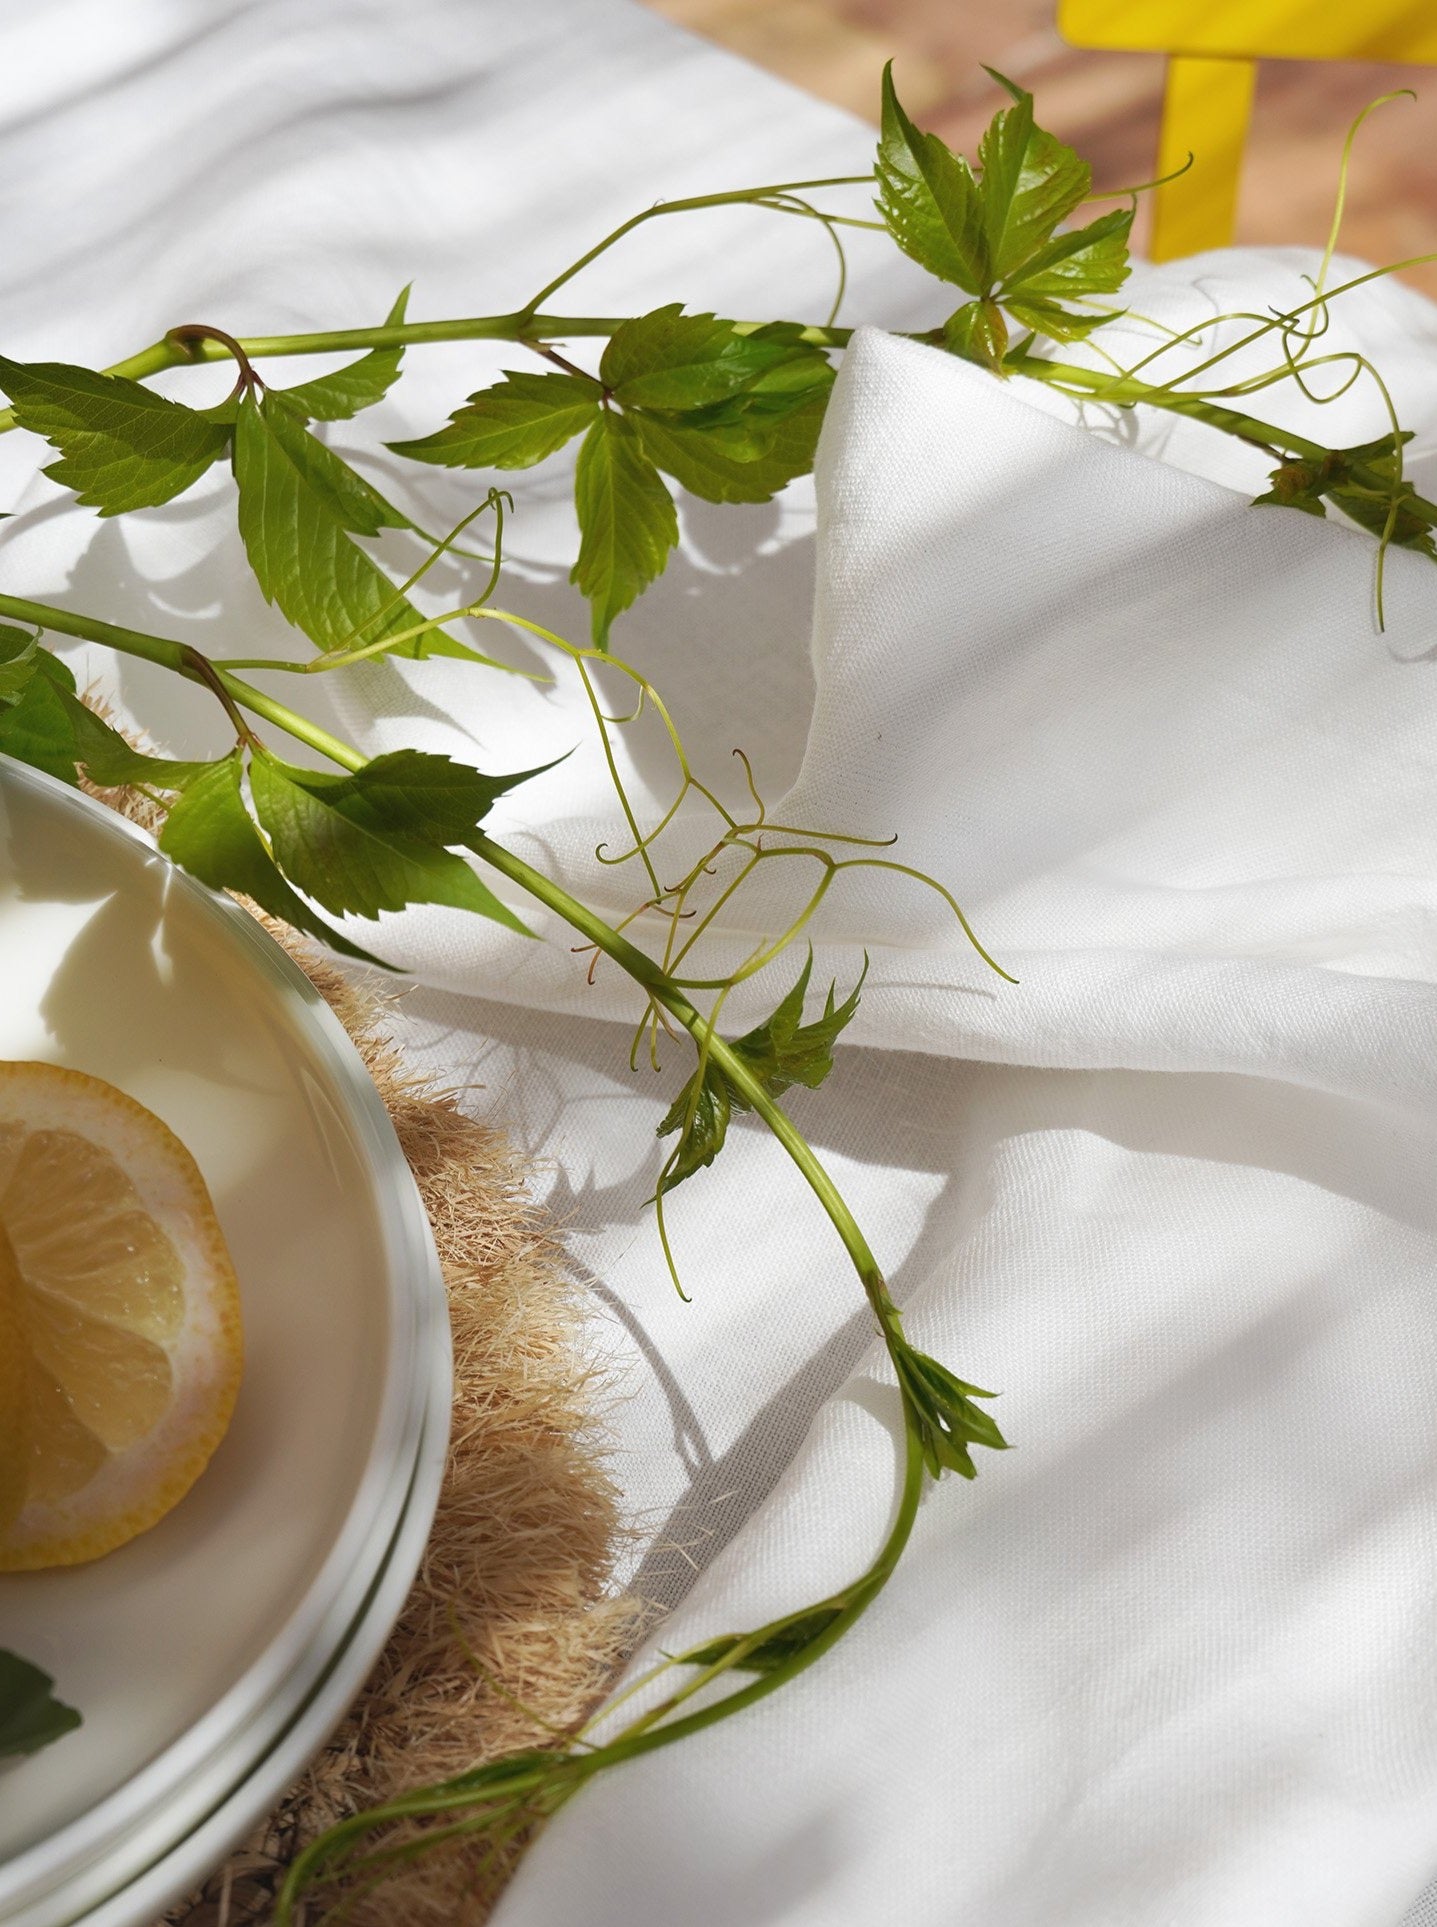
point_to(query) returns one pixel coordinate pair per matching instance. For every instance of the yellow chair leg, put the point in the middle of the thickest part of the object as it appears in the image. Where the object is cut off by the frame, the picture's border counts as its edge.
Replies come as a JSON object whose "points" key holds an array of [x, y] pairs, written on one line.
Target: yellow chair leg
{"points": [[1205, 113]]}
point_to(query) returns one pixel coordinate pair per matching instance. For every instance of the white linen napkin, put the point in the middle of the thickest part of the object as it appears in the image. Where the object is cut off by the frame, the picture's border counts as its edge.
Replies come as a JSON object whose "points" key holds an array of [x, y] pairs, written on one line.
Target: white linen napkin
{"points": [[1166, 1660]]}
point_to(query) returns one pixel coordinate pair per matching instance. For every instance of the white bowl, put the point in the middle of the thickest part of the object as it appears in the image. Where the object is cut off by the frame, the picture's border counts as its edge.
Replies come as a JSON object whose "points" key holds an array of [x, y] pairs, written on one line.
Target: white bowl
{"points": [[211, 1657]]}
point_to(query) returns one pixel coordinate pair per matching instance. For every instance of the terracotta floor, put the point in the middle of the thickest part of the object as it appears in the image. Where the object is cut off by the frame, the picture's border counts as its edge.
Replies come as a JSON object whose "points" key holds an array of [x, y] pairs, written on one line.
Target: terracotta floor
{"points": [[1107, 105]]}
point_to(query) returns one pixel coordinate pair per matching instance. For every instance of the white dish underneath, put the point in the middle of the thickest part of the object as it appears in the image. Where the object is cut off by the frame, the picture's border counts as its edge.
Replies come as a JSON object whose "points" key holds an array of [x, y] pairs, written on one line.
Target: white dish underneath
{"points": [[213, 1654]]}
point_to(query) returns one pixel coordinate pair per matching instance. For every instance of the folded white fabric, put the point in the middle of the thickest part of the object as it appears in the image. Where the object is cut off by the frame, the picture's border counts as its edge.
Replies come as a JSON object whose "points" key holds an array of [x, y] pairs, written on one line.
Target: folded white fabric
{"points": [[1166, 1661]]}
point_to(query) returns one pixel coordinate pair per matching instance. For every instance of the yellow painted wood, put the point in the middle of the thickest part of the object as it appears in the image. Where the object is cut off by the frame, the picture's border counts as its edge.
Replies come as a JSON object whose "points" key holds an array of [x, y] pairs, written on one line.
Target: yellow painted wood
{"points": [[1212, 46], [1258, 29], [1206, 109]]}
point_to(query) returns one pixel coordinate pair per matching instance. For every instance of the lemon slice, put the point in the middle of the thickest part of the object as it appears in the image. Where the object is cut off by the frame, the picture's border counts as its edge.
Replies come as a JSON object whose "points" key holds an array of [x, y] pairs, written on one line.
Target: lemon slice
{"points": [[120, 1347]]}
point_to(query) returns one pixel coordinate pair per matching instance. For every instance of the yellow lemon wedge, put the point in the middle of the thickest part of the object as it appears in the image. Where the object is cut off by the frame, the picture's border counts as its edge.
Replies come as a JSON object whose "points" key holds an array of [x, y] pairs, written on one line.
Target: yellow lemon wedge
{"points": [[120, 1347]]}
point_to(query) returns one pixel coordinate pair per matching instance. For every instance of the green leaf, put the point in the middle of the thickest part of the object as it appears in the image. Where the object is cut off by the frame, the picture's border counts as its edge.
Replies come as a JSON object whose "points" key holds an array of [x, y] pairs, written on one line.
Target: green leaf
{"points": [[1085, 260], [411, 792], [674, 361], [806, 369], [747, 458], [781, 1052], [353, 502], [19, 661], [784, 1643], [1030, 183], [30, 1715], [38, 728], [1059, 324], [49, 665], [978, 332], [929, 199], [122, 447], [102, 753], [627, 521], [785, 1051], [701, 1111], [109, 761], [210, 833], [518, 422], [948, 1420], [338, 396], [792, 436], [295, 514], [46, 724], [324, 836]]}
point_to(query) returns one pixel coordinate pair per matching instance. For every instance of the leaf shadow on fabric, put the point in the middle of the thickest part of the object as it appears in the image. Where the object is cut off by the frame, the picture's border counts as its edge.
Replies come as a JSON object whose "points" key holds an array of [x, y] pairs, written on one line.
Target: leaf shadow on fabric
{"points": [[723, 635], [213, 603], [725, 1488]]}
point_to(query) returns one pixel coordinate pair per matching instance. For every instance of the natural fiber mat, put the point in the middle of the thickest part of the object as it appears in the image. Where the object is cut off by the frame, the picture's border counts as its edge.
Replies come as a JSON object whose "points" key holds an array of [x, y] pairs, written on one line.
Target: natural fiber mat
{"points": [[509, 1628]]}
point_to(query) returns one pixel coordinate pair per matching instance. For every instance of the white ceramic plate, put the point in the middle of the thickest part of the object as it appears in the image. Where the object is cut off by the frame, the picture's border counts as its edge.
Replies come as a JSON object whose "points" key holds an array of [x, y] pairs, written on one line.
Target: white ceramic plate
{"points": [[213, 1654]]}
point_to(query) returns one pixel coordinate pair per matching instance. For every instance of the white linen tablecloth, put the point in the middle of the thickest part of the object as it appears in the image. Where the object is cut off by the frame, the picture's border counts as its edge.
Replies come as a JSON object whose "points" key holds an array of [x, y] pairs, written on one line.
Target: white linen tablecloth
{"points": [[1170, 1660]]}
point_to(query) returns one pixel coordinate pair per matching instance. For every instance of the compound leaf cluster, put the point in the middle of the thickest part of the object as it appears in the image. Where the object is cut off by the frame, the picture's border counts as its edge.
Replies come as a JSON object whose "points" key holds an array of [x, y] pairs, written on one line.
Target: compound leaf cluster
{"points": [[997, 231], [780, 1052], [728, 412], [124, 447], [949, 1423], [361, 843], [1365, 482]]}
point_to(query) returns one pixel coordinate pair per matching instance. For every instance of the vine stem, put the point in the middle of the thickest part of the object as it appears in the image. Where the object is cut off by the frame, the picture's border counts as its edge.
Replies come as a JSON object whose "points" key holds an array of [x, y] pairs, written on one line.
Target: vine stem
{"points": [[1128, 391], [858, 1598], [184, 346], [180, 349], [691, 204], [538, 1784], [184, 661]]}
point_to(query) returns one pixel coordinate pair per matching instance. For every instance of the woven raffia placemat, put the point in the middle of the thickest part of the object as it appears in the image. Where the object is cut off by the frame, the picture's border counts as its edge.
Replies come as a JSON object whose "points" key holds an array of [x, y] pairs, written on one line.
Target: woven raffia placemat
{"points": [[509, 1617]]}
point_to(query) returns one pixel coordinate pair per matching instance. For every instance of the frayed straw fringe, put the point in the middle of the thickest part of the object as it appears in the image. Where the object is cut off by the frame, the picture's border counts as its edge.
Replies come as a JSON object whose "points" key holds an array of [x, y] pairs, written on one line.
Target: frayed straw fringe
{"points": [[511, 1609]]}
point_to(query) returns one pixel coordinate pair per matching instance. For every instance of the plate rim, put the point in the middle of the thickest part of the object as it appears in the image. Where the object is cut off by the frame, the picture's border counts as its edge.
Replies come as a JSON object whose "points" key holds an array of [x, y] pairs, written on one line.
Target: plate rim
{"points": [[167, 1878], [407, 1452]]}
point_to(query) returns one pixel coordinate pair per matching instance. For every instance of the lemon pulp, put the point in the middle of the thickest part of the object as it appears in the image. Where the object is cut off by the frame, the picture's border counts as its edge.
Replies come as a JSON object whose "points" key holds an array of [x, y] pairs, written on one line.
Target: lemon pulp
{"points": [[120, 1344]]}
